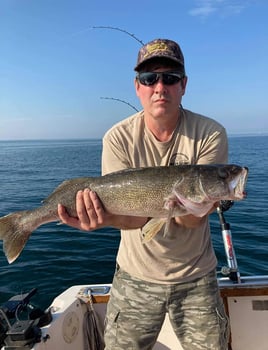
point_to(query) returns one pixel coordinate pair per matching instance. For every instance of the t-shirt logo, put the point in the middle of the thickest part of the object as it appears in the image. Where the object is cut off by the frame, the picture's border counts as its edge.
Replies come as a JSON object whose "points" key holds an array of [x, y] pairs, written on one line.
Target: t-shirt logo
{"points": [[179, 159]]}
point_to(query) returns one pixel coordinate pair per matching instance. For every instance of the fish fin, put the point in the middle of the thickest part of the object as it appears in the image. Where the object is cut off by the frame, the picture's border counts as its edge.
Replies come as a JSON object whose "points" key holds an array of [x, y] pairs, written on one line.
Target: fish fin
{"points": [[168, 222], [77, 183], [152, 227], [198, 208], [13, 234]]}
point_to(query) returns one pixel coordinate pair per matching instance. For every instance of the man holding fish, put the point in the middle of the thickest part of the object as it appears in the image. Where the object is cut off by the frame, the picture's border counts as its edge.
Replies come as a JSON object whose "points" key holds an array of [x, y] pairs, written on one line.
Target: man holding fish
{"points": [[174, 271]]}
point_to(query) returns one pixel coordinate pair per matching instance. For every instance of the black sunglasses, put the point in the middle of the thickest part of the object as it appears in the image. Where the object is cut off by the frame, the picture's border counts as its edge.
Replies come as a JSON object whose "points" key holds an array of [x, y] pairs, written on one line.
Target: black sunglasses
{"points": [[167, 78]]}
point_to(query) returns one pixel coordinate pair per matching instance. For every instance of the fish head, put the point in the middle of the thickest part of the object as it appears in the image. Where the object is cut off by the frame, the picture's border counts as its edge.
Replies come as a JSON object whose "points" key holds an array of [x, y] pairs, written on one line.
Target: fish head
{"points": [[224, 182], [203, 185]]}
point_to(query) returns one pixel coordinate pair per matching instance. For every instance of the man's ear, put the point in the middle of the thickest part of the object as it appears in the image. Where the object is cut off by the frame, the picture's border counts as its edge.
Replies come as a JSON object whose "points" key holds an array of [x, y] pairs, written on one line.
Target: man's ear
{"points": [[184, 82], [137, 85]]}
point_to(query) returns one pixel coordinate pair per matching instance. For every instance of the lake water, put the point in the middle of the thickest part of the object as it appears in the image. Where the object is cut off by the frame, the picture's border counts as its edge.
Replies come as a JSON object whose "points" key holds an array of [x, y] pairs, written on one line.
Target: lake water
{"points": [[57, 257]]}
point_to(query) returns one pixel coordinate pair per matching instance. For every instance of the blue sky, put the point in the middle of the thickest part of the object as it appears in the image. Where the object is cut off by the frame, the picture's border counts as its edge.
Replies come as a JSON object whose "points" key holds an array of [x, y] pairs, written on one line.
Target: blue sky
{"points": [[56, 68]]}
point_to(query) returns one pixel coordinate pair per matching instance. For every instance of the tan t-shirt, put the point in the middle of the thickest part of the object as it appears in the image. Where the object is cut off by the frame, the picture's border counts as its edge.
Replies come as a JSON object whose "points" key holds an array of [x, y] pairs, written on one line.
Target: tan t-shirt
{"points": [[184, 254]]}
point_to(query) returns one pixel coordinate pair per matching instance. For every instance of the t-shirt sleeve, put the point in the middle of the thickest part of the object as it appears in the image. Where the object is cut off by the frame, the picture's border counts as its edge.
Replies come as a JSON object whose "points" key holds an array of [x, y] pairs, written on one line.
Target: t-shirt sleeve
{"points": [[214, 148], [113, 155]]}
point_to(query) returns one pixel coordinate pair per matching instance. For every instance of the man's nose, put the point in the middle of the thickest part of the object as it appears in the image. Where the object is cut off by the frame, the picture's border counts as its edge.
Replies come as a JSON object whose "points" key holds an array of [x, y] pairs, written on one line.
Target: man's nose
{"points": [[160, 86]]}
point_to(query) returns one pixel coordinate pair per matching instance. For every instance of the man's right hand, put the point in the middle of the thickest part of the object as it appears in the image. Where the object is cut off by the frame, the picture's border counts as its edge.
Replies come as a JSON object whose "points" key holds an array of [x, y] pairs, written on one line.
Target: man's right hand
{"points": [[90, 212], [91, 215]]}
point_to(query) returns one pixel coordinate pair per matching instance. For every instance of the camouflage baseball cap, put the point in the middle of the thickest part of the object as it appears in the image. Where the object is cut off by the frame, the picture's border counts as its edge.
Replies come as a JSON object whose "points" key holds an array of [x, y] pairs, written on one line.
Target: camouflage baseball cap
{"points": [[161, 48]]}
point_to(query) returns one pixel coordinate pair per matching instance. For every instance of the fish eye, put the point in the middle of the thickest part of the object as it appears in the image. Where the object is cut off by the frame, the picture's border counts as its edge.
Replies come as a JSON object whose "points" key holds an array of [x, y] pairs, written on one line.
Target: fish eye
{"points": [[223, 173]]}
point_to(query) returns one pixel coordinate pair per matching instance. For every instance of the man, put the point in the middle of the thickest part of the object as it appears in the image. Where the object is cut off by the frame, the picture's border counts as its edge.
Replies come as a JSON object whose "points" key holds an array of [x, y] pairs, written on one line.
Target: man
{"points": [[174, 274]]}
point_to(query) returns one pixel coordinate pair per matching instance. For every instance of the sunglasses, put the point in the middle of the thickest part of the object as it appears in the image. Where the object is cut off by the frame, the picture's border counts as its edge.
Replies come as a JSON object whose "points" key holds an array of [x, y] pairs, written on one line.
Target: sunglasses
{"points": [[167, 78]]}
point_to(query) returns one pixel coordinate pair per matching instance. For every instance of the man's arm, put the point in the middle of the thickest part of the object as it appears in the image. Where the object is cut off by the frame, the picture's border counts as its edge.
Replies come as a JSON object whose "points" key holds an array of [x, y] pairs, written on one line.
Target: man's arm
{"points": [[191, 221]]}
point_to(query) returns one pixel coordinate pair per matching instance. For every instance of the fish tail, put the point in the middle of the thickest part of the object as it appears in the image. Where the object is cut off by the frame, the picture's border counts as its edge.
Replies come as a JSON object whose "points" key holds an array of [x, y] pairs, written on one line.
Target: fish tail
{"points": [[15, 233]]}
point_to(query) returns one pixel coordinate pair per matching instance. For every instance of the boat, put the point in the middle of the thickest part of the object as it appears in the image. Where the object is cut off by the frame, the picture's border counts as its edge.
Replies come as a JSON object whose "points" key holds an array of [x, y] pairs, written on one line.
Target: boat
{"points": [[75, 318], [246, 304]]}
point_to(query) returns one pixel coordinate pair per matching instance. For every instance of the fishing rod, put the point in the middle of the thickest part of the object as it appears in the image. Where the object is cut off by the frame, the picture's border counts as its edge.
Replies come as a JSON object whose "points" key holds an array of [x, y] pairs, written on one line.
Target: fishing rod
{"points": [[120, 30], [232, 269], [119, 100]]}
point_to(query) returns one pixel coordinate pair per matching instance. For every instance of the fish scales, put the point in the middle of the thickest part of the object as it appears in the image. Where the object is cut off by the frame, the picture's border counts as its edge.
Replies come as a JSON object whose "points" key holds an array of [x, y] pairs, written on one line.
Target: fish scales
{"points": [[138, 193], [124, 192]]}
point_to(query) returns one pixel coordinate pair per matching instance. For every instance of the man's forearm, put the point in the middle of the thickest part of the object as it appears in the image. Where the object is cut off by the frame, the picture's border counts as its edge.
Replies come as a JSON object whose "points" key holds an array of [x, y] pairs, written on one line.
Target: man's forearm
{"points": [[189, 221], [127, 222]]}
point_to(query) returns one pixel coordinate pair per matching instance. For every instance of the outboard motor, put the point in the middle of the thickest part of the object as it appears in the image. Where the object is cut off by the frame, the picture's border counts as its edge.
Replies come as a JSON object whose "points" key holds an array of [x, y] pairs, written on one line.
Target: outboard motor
{"points": [[20, 333]]}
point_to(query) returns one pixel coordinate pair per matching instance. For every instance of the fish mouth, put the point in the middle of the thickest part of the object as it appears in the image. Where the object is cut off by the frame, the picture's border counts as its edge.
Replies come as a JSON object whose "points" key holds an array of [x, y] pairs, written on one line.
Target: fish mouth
{"points": [[237, 185]]}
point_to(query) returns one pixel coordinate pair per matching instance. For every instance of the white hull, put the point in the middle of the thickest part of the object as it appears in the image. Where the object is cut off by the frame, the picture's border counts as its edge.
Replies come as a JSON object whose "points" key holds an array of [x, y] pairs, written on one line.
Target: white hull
{"points": [[246, 304]]}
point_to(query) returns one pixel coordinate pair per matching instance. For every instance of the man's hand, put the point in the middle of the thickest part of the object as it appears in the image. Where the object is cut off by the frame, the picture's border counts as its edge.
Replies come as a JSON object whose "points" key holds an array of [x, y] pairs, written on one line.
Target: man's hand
{"points": [[90, 212], [191, 221], [91, 215]]}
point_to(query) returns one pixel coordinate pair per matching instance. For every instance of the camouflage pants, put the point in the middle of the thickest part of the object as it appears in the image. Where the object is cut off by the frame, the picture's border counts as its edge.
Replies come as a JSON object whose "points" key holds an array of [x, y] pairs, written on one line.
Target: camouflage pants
{"points": [[136, 312]]}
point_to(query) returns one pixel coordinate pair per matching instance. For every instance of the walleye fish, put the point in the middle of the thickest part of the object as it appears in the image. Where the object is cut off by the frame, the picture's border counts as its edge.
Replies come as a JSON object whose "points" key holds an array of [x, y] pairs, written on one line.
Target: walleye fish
{"points": [[159, 193]]}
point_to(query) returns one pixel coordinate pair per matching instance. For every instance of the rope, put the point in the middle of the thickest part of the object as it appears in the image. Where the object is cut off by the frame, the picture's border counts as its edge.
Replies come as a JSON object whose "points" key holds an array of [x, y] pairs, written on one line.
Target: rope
{"points": [[93, 329]]}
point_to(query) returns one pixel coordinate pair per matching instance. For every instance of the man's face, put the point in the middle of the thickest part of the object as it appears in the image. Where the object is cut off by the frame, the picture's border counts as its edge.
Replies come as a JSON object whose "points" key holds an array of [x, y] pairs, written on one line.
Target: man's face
{"points": [[159, 99]]}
